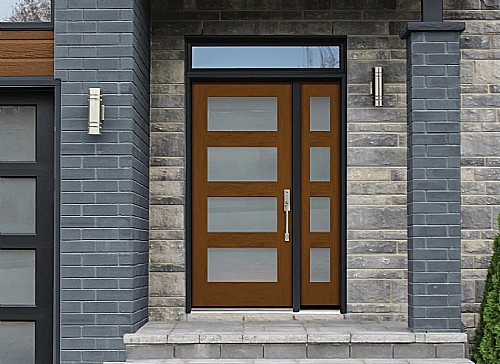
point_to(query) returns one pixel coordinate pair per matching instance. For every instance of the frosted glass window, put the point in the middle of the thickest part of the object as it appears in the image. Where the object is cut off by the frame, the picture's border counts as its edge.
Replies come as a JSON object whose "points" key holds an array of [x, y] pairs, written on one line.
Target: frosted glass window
{"points": [[242, 114], [17, 133], [17, 342], [15, 11], [17, 205], [273, 56], [242, 265], [17, 277], [320, 113], [242, 164], [319, 259], [320, 214], [233, 214], [320, 164]]}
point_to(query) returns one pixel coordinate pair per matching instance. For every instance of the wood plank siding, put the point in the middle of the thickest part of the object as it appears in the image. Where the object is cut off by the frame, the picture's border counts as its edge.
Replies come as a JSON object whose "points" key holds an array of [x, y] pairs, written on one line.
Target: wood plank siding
{"points": [[27, 53]]}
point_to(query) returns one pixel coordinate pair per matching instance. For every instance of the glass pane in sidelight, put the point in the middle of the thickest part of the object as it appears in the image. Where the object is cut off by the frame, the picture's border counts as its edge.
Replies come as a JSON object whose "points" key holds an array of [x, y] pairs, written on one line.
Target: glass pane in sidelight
{"points": [[270, 56], [320, 214], [242, 164], [17, 205], [320, 164], [242, 114], [320, 113], [25, 11], [233, 214], [17, 277], [17, 133], [319, 259], [17, 342], [242, 265]]}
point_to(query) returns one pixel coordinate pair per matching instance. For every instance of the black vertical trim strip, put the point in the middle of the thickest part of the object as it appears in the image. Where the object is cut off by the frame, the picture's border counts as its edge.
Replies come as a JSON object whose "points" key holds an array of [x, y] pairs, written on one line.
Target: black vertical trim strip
{"points": [[343, 195], [431, 10], [295, 203], [57, 220], [188, 193]]}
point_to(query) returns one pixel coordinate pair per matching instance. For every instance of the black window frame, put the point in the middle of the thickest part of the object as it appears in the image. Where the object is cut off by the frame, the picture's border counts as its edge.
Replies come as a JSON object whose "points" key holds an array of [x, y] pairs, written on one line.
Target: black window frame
{"points": [[47, 92], [31, 25], [295, 76]]}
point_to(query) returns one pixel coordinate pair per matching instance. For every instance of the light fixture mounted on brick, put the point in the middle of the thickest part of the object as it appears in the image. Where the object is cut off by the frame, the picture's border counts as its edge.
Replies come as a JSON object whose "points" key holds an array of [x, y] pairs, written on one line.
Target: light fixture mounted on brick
{"points": [[96, 111]]}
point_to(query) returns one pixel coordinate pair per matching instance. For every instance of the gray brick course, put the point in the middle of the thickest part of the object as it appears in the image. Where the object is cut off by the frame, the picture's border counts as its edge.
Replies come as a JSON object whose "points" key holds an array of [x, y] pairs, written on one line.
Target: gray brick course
{"points": [[99, 45], [433, 274]]}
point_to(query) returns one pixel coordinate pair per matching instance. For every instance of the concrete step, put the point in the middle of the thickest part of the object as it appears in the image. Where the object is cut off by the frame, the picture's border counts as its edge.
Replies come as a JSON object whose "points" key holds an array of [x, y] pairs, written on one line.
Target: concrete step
{"points": [[299, 361], [290, 340]]}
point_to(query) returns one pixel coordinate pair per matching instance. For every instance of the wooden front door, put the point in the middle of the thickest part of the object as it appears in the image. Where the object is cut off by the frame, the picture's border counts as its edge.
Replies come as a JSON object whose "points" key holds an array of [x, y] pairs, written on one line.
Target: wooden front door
{"points": [[242, 168]]}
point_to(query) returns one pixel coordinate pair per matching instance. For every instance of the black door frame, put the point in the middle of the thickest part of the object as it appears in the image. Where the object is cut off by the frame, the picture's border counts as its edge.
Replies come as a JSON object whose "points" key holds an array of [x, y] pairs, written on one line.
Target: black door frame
{"points": [[45, 94], [295, 77]]}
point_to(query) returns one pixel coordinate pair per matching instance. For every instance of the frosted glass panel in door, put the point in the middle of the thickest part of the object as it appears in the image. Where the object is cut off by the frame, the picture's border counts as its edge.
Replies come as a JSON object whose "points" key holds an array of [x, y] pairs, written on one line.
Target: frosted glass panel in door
{"points": [[17, 277], [320, 214], [320, 113], [320, 164], [242, 114], [242, 164], [242, 265], [17, 133], [17, 342], [233, 214], [319, 262], [17, 205]]}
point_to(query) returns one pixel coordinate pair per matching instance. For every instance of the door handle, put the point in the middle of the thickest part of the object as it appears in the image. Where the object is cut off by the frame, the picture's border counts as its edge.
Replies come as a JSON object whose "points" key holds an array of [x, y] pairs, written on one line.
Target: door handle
{"points": [[287, 208]]}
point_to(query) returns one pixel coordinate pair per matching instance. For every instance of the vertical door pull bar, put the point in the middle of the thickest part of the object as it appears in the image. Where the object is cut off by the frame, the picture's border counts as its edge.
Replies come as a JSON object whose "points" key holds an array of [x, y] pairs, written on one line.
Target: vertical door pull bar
{"points": [[287, 208]]}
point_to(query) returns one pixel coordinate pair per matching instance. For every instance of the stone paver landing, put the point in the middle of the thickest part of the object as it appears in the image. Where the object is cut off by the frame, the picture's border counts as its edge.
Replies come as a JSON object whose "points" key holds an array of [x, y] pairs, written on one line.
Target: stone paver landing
{"points": [[300, 361], [338, 332], [291, 342]]}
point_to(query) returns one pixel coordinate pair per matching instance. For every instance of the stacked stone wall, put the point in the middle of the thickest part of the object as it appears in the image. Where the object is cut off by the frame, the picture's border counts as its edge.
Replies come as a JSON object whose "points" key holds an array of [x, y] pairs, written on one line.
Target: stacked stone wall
{"points": [[376, 138], [377, 239], [480, 144]]}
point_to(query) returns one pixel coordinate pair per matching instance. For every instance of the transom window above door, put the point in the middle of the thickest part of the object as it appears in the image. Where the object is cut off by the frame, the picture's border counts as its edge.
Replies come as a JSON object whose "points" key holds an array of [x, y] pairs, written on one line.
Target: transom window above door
{"points": [[274, 54], [307, 56]]}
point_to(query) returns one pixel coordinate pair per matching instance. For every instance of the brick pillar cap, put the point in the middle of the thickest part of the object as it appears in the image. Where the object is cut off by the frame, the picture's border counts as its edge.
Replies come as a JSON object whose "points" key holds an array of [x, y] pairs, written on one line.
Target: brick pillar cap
{"points": [[431, 27]]}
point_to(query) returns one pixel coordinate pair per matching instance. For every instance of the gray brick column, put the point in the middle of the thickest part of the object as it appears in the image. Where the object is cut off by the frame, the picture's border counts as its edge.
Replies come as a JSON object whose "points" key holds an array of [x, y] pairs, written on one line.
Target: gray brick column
{"points": [[434, 280], [104, 178]]}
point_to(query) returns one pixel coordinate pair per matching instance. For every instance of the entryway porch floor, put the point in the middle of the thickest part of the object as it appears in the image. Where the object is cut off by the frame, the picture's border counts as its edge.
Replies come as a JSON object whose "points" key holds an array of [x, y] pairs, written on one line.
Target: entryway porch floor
{"points": [[300, 361], [291, 342]]}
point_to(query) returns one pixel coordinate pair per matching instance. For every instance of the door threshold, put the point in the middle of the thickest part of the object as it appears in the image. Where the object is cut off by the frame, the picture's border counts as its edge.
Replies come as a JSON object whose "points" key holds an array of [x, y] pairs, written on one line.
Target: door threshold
{"points": [[238, 309], [259, 314]]}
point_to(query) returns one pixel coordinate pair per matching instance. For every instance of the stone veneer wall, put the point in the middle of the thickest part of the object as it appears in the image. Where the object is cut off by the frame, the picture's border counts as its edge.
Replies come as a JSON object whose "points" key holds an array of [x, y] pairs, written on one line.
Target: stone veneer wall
{"points": [[376, 138], [377, 255], [480, 144]]}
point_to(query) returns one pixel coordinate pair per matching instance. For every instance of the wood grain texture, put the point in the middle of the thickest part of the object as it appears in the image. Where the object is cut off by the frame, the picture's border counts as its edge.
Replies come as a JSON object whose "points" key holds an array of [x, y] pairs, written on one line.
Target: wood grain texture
{"points": [[320, 293], [26, 53], [240, 294]]}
